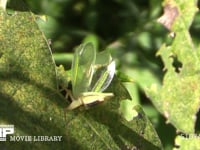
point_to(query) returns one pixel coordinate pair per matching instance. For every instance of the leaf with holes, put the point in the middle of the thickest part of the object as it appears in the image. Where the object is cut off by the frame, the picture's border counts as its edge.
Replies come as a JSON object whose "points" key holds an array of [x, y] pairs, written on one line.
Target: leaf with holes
{"points": [[178, 97]]}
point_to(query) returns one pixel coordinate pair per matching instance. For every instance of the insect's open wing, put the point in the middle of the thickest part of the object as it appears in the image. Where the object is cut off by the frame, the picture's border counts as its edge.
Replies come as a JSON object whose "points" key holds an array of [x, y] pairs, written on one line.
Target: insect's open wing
{"points": [[105, 70], [82, 68]]}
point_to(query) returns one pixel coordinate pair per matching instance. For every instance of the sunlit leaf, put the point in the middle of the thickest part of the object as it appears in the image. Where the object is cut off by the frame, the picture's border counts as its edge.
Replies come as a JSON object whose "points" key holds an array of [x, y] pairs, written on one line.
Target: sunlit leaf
{"points": [[28, 83], [185, 142], [178, 98]]}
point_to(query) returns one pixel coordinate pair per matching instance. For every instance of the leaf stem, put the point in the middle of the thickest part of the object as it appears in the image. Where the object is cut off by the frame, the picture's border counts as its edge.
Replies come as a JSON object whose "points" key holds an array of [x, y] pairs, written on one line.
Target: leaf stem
{"points": [[63, 57]]}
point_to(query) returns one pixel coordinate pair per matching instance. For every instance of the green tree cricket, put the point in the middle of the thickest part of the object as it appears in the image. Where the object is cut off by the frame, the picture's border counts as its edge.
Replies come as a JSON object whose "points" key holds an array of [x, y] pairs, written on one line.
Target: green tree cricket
{"points": [[91, 74]]}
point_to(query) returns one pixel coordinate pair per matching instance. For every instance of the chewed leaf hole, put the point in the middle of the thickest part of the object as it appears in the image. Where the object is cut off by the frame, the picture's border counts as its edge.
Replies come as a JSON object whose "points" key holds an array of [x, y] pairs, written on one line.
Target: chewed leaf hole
{"points": [[177, 64]]}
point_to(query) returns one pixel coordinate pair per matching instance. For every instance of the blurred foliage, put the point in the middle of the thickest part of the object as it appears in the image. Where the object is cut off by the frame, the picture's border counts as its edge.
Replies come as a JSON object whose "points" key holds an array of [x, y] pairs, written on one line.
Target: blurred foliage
{"points": [[128, 28]]}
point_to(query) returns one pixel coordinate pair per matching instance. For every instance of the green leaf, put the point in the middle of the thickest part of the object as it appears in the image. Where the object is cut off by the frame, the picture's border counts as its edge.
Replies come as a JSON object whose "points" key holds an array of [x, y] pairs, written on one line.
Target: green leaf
{"points": [[185, 142], [102, 127], [28, 84], [178, 97], [29, 98]]}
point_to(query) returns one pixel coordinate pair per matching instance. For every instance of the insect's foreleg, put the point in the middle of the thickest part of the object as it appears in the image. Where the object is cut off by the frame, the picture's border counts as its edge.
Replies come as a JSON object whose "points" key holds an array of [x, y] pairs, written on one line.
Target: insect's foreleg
{"points": [[69, 94]]}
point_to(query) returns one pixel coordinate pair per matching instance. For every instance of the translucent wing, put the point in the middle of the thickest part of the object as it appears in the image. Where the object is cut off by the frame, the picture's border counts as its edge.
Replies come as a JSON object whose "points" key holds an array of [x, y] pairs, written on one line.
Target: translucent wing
{"points": [[103, 59], [103, 77], [82, 68]]}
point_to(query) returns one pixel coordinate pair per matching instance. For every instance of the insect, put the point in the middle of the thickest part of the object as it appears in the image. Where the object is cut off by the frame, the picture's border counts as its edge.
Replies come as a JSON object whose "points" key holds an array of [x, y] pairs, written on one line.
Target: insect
{"points": [[91, 74]]}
